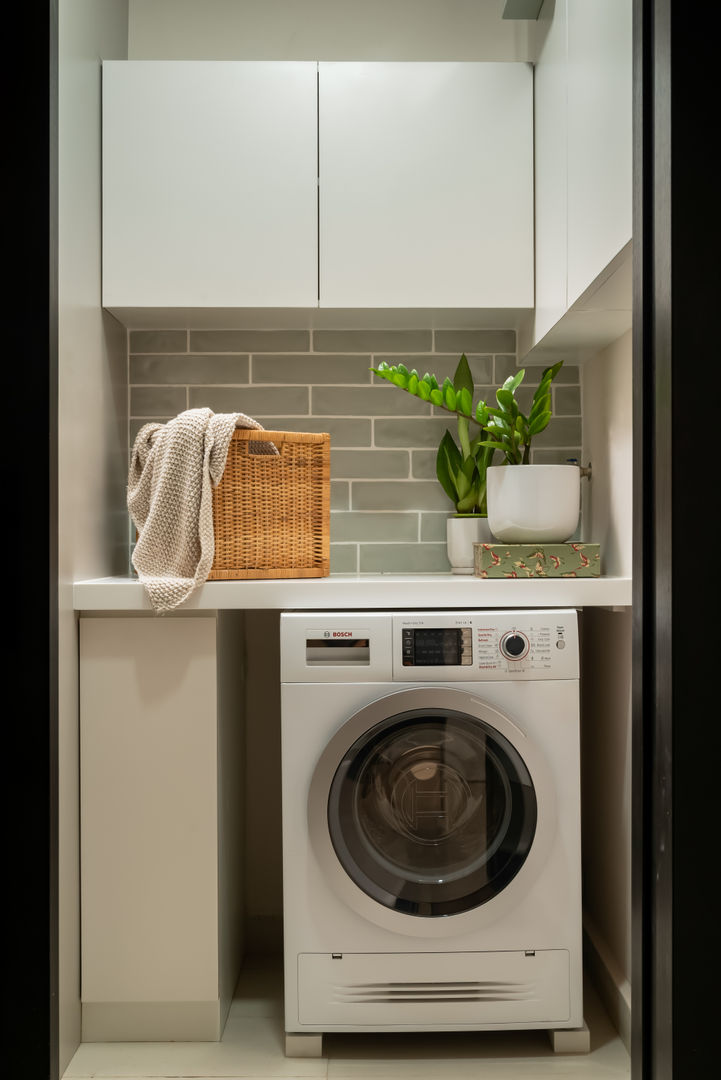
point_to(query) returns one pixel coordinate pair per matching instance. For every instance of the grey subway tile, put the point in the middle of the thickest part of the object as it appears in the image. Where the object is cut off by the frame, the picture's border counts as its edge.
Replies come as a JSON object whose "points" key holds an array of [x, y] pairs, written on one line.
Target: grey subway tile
{"points": [[309, 368], [188, 368], [135, 425], [339, 496], [421, 432], [357, 525], [404, 558], [343, 558], [567, 401], [254, 401], [373, 341], [423, 464], [249, 341], [344, 432], [475, 341], [158, 341], [506, 365], [561, 432], [397, 495], [163, 401], [433, 526], [381, 464], [384, 400], [555, 457]]}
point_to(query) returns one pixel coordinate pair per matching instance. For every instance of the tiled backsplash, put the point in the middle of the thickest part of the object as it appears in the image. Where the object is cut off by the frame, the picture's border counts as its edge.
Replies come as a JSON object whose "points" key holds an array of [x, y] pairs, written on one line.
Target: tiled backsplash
{"points": [[388, 511]]}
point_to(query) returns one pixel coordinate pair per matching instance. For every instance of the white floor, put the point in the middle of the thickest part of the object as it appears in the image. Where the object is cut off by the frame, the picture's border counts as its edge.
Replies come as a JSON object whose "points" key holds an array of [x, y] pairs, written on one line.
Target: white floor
{"points": [[252, 1047]]}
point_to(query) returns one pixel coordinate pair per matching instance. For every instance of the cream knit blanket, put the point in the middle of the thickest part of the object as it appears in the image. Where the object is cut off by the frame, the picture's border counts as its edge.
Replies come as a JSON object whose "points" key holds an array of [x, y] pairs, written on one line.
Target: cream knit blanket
{"points": [[173, 469]]}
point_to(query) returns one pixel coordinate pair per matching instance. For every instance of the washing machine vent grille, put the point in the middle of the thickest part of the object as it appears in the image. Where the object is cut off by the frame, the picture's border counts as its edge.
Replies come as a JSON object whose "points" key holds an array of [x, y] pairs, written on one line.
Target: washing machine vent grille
{"points": [[393, 993]]}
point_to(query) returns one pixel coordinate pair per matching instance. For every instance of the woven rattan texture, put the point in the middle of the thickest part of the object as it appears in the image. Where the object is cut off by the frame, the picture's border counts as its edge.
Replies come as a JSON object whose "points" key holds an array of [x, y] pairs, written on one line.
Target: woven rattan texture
{"points": [[271, 511]]}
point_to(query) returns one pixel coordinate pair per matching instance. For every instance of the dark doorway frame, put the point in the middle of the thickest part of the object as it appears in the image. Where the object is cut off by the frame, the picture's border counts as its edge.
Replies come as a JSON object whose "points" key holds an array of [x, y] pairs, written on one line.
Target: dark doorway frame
{"points": [[675, 697]]}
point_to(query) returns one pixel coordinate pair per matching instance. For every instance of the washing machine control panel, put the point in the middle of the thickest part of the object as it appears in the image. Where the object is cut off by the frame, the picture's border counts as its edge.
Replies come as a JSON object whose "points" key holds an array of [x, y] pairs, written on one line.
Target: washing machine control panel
{"points": [[437, 646], [486, 645]]}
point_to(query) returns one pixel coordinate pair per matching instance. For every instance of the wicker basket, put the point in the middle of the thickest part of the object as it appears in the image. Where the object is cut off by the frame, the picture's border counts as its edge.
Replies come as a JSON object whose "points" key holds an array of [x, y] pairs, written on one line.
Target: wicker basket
{"points": [[271, 512]]}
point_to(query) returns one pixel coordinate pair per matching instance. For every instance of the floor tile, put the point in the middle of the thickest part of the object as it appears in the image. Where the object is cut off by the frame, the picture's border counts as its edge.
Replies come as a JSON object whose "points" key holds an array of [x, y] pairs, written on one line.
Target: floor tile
{"points": [[252, 1048]]}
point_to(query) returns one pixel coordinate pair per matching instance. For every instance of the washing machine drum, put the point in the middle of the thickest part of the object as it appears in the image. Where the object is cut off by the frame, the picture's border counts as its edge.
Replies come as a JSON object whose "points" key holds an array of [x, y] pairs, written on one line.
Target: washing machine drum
{"points": [[432, 812]]}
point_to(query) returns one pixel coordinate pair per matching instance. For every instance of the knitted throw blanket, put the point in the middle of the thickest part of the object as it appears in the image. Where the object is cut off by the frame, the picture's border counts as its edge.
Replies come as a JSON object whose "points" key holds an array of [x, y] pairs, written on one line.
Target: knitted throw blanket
{"points": [[173, 469]]}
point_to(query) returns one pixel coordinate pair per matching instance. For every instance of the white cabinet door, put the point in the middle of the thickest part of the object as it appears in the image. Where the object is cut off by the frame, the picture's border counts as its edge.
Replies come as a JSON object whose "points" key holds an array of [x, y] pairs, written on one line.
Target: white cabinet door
{"points": [[209, 184], [426, 185], [599, 137]]}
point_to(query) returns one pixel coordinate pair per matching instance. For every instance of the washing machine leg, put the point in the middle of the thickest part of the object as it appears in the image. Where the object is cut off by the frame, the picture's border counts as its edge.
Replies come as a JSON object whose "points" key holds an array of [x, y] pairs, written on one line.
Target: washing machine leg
{"points": [[571, 1040], [303, 1044]]}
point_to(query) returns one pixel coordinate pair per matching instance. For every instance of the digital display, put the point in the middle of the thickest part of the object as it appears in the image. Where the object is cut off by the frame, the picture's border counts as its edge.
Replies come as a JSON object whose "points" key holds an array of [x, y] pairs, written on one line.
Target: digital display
{"points": [[432, 646]]}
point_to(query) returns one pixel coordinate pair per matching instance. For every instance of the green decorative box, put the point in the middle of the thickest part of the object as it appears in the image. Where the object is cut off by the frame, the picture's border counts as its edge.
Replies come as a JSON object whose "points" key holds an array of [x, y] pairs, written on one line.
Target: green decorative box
{"points": [[537, 560]]}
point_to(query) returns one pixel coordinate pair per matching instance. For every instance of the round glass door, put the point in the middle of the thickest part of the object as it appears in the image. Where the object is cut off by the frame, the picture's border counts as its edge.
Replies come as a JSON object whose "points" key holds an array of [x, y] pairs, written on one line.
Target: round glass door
{"points": [[432, 812]]}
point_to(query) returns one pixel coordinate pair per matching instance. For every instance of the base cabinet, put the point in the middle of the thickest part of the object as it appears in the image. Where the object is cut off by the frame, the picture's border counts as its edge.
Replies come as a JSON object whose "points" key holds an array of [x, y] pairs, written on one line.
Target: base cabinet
{"points": [[161, 743]]}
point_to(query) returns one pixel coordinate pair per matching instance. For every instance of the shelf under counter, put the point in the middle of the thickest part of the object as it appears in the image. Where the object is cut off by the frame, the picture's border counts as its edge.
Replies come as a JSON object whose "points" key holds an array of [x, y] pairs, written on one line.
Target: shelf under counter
{"points": [[365, 591]]}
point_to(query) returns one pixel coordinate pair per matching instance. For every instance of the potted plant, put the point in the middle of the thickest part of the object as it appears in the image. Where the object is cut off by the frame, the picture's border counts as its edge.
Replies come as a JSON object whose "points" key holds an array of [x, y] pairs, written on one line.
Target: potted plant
{"points": [[536, 503], [462, 463]]}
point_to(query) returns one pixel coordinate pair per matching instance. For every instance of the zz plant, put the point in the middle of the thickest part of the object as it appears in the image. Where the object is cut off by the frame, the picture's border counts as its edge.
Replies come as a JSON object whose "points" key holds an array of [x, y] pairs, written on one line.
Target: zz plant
{"points": [[509, 430], [461, 465]]}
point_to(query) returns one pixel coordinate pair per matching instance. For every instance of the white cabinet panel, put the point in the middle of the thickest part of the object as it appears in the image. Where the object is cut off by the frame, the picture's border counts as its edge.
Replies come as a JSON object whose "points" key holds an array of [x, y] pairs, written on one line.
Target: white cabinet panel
{"points": [[599, 137], [426, 185], [551, 128], [149, 809], [209, 184]]}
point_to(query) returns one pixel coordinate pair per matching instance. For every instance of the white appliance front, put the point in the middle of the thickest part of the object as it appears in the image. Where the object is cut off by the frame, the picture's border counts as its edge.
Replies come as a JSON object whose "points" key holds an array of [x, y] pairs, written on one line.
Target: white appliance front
{"points": [[431, 821]]}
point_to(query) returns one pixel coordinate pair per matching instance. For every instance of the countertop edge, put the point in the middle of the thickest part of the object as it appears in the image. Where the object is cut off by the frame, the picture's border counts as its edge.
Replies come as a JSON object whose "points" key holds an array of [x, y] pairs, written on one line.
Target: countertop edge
{"points": [[360, 592]]}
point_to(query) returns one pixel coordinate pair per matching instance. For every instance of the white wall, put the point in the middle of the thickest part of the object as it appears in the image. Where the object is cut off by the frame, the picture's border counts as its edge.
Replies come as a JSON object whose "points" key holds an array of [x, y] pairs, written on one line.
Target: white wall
{"points": [[607, 436], [325, 30], [606, 681], [92, 424]]}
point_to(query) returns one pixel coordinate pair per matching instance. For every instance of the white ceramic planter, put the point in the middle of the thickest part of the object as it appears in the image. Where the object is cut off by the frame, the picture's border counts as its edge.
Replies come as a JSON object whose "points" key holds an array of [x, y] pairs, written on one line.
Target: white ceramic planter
{"points": [[461, 534], [533, 502]]}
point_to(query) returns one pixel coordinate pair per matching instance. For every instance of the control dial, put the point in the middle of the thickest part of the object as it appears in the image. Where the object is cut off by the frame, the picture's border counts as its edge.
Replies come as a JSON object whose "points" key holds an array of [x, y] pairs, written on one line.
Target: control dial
{"points": [[514, 646]]}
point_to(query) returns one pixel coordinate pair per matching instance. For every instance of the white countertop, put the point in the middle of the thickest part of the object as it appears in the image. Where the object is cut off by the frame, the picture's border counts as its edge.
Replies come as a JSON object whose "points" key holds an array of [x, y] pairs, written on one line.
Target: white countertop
{"points": [[366, 591]]}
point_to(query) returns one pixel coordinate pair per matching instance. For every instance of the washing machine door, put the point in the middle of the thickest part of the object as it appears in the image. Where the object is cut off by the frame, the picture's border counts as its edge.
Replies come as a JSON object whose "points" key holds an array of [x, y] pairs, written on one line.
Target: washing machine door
{"points": [[430, 806]]}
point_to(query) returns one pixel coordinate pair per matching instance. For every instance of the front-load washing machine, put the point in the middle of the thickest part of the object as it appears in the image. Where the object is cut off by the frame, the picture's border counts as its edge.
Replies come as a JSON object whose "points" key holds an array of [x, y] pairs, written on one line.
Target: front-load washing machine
{"points": [[431, 821]]}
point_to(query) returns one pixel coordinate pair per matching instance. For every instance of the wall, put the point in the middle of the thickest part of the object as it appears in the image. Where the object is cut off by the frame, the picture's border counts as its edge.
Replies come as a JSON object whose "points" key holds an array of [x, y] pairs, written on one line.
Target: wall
{"points": [[92, 424], [325, 30], [388, 511], [606, 683]]}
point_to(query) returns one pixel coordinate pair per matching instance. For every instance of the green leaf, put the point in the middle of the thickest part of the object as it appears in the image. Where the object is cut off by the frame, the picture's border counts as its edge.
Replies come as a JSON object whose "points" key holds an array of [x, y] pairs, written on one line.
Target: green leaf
{"points": [[482, 413], [514, 381], [413, 383], [500, 424], [464, 402], [437, 396], [449, 395], [448, 461], [383, 366], [540, 423], [506, 400], [462, 379], [463, 484], [434, 381], [403, 369], [400, 379], [495, 445], [553, 370], [424, 390], [540, 405]]}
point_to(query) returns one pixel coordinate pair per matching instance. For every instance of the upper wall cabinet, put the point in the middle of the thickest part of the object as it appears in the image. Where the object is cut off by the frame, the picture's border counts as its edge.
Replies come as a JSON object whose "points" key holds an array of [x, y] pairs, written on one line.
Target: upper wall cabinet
{"points": [[223, 181], [583, 148], [426, 185], [209, 184]]}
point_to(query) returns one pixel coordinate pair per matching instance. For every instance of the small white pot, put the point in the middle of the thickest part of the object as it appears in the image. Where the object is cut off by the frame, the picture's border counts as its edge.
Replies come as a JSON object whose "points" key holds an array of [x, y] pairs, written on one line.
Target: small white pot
{"points": [[461, 534], [533, 503]]}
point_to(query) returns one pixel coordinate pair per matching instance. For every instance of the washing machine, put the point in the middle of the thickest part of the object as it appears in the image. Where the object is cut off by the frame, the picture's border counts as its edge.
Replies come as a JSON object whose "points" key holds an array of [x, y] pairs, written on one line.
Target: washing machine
{"points": [[431, 821]]}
